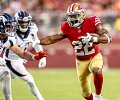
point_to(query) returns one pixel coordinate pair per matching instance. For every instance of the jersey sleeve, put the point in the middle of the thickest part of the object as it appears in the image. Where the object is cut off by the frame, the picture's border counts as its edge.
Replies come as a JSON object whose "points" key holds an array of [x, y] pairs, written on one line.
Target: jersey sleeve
{"points": [[95, 21], [37, 47], [64, 28], [33, 28], [11, 42], [33, 31]]}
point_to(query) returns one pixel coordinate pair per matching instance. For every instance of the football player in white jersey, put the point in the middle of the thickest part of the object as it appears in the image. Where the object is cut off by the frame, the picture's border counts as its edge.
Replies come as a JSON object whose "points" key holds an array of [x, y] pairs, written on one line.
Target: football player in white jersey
{"points": [[26, 35], [8, 43], [5, 77]]}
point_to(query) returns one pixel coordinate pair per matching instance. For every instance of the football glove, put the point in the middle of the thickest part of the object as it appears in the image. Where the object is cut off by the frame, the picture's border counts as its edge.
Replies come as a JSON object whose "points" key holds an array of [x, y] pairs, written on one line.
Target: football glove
{"points": [[42, 62], [39, 55], [86, 39]]}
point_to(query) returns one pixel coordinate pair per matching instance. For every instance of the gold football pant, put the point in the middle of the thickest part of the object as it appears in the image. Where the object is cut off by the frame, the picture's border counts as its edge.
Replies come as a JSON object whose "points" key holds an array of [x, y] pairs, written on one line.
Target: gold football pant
{"points": [[84, 72]]}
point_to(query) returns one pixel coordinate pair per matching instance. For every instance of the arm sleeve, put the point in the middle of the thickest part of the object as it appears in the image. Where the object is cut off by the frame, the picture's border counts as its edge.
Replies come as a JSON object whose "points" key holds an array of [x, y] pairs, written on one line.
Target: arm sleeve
{"points": [[11, 42], [96, 21], [37, 47], [64, 28]]}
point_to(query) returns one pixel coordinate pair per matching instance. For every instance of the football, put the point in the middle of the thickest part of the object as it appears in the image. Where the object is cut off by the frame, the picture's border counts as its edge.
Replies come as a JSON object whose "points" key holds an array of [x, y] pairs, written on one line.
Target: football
{"points": [[94, 35]]}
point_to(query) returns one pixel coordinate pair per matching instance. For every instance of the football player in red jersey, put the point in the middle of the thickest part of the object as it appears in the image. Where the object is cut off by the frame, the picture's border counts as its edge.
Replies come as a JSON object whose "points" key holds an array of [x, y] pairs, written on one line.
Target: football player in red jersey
{"points": [[79, 29]]}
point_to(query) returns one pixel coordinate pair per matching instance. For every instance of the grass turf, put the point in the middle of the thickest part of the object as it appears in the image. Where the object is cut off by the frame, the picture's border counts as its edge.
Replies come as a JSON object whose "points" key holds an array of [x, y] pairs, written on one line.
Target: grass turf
{"points": [[62, 84]]}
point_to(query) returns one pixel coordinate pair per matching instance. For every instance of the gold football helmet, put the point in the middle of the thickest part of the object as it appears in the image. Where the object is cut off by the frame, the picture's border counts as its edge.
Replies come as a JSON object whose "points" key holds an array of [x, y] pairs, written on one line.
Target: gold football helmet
{"points": [[75, 15]]}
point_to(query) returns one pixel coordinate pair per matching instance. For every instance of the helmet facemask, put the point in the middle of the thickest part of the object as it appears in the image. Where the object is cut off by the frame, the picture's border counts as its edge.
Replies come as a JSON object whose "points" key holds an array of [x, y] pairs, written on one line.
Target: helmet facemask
{"points": [[8, 28], [3, 34], [23, 25]]}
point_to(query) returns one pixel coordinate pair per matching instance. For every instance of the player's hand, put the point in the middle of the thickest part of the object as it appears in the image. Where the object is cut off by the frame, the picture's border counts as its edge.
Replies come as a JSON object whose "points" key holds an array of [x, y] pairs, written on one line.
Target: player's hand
{"points": [[42, 62], [86, 39], [2, 62], [39, 55]]}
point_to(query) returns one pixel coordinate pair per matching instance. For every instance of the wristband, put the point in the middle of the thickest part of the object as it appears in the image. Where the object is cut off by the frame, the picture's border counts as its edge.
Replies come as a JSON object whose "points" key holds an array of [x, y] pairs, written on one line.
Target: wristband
{"points": [[107, 37], [95, 39]]}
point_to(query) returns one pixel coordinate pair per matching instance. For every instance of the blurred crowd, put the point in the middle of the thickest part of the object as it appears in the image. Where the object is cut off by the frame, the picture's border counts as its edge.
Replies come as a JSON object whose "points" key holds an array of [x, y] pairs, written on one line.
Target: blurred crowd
{"points": [[48, 14]]}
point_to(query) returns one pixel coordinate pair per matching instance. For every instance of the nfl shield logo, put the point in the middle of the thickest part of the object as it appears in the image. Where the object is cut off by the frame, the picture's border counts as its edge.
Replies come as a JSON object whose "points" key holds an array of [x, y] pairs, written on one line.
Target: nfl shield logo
{"points": [[79, 30]]}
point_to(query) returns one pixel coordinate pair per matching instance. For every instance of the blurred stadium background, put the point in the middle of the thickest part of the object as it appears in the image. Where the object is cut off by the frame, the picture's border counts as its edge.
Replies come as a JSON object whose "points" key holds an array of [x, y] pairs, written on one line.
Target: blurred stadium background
{"points": [[48, 15]]}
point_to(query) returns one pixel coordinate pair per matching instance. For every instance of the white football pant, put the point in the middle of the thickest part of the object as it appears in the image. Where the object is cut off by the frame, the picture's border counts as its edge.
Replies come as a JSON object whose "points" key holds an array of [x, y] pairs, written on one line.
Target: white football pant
{"points": [[5, 79], [18, 69]]}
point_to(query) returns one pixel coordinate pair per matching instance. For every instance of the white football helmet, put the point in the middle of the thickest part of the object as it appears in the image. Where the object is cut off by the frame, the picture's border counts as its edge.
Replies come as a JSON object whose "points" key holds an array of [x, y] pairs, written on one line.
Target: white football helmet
{"points": [[6, 26], [75, 15]]}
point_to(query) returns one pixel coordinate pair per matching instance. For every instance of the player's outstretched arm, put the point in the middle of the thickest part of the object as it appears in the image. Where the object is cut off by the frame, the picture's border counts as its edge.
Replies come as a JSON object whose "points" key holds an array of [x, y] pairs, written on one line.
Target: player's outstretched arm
{"points": [[27, 55], [52, 39]]}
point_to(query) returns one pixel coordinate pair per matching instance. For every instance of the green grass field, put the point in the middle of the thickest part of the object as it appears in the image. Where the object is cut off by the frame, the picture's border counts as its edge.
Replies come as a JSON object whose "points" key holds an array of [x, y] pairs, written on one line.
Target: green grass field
{"points": [[62, 84]]}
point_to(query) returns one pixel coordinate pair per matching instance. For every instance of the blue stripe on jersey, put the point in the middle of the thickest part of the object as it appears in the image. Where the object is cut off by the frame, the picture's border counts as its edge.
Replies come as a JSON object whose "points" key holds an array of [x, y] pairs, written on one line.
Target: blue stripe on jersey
{"points": [[8, 63], [6, 52], [11, 43], [27, 34], [32, 35]]}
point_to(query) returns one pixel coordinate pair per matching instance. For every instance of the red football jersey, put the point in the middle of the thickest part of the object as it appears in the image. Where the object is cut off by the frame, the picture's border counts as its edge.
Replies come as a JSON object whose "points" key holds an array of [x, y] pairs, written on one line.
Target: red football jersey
{"points": [[82, 51]]}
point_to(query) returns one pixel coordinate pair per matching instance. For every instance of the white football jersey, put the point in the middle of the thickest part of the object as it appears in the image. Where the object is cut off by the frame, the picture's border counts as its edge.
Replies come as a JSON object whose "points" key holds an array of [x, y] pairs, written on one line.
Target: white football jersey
{"points": [[24, 42], [7, 43]]}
